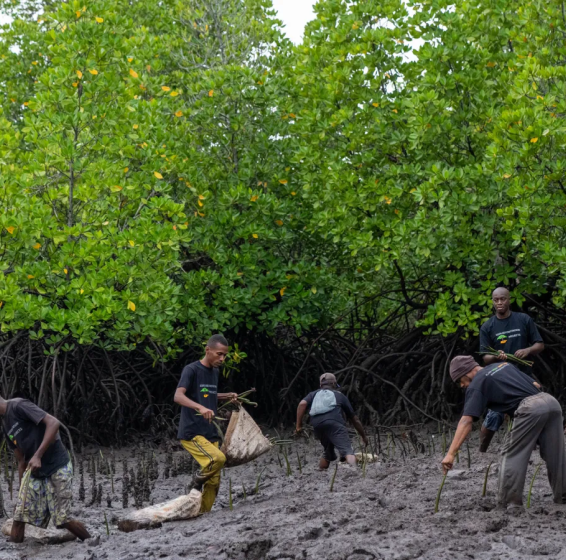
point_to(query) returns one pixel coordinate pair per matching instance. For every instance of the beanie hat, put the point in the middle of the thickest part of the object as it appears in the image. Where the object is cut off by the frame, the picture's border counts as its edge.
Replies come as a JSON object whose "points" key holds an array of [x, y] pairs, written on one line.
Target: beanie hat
{"points": [[460, 366]]}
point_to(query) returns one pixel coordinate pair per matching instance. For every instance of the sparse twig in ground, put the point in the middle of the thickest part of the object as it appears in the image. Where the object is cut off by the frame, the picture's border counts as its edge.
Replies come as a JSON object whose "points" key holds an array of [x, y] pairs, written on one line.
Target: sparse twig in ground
{"points": [[257, 481]]}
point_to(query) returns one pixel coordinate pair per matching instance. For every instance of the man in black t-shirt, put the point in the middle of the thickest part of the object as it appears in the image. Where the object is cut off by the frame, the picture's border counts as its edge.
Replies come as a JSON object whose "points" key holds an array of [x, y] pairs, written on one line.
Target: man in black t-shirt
{"points": [[197, 393], [537, 419], [327, 409], [45, 469], [507, 332]]}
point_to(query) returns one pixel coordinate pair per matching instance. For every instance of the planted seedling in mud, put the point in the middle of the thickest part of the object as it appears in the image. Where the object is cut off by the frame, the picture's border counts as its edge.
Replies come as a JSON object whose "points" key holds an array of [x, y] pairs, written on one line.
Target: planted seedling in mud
{"points": [[469, 456], [106, 523], [531, 485], [82, 492], [285, 455], [99, 495], [485, 480], [244, 490], [125, 485], [257, 481], [230, 503], [299, 462], [436, 504], [333, 477]]}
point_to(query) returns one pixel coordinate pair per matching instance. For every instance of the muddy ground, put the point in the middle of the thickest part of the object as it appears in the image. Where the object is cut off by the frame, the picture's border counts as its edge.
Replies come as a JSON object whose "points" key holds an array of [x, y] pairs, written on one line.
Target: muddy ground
{"points": [[384, 513]]}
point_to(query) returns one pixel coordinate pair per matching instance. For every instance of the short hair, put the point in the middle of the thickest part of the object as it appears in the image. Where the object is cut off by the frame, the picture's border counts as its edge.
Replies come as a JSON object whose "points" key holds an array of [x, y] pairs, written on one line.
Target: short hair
{"points": [[217, 340]]}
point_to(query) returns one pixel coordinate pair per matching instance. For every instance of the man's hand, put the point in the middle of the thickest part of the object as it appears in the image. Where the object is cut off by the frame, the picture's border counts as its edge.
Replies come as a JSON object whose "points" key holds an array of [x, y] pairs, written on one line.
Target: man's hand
{"points": [[232, 397], [298, 431], [34, 463], [501, 356], [447, 462], [523, 353], [206, 413]]}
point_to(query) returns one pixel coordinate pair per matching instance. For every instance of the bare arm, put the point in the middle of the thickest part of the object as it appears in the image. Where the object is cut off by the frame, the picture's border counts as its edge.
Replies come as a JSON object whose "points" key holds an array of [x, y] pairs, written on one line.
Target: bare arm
{"points": [[360, 429], [301, 409], [533, 350], [51, 431], [182, 399], [489, 359], [462, 431], [227, 396], [22, 465]]}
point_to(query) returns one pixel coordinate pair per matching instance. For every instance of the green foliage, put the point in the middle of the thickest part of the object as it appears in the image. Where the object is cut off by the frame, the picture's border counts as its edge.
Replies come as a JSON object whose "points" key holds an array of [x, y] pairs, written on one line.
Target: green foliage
{"points": [[173, 169]]}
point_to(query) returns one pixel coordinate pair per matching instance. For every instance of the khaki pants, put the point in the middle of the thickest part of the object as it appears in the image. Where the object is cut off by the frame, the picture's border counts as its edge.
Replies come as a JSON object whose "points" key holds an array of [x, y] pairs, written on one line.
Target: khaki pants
{"points": [[211, 461], [537, 420]]}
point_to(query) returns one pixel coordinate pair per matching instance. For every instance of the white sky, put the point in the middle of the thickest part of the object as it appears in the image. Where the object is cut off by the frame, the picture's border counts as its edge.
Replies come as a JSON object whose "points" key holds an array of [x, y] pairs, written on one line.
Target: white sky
{"points": [[294, 14]]}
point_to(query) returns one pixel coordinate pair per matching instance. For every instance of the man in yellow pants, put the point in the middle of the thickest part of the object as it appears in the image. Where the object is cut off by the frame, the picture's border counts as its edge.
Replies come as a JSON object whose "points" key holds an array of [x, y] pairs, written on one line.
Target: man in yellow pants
{"points": [[197, 394]]}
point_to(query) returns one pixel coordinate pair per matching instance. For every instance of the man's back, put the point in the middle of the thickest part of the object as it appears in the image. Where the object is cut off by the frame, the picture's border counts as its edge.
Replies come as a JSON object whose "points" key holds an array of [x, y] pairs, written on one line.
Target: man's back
{"points": [[334, 414], [501, 387]]}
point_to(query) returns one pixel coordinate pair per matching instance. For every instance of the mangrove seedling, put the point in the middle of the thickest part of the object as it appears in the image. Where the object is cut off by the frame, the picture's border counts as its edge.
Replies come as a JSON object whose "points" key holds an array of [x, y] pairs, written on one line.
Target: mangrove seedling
{"points": [[333, 477], [230, 502], [106, 523], [469, 456], [286, 456], [299, 462], [256, 492], [485, 480], [439, 493], [531, 485]]}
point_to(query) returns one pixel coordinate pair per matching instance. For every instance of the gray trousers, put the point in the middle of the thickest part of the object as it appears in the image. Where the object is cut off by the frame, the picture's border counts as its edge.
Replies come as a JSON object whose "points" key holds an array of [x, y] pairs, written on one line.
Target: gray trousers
{"points": [[537, 420]]}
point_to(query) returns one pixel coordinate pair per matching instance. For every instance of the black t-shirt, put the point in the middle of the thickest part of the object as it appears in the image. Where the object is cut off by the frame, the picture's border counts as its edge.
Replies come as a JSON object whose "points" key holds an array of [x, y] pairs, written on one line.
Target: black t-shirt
{"points": [[24, 430], [342, 405], [201, 384], [499, 387], [516, 332]]}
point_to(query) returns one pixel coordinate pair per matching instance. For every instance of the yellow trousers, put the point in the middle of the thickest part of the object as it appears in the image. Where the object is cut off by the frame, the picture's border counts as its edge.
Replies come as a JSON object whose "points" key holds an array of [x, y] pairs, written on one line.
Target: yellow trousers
{"points": [[211, 461]]}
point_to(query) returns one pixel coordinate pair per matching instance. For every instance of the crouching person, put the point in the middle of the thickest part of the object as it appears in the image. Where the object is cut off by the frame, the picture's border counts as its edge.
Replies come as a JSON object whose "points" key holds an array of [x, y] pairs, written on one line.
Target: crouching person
{"points": [[327, 408], [537, 418], [47, 492]]}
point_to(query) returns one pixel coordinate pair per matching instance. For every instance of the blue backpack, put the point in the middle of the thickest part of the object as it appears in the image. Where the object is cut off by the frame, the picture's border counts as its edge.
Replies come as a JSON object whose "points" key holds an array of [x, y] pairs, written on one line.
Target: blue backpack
{"points": [[324, 401]]}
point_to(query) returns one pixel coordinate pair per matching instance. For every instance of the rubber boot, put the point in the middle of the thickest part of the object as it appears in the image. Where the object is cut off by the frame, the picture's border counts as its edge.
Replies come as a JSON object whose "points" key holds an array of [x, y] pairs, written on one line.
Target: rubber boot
{"points": [[485, 438], [198, 481]]}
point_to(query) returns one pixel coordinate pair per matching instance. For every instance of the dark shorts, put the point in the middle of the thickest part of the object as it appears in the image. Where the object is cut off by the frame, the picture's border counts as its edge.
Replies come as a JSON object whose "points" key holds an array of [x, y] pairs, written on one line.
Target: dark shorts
{"points": [[493, 420], [333, 435]]}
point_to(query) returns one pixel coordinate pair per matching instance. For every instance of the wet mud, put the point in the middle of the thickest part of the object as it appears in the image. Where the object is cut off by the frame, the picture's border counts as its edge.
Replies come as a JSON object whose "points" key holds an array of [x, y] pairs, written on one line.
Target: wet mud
{"points": [[385, 511]]}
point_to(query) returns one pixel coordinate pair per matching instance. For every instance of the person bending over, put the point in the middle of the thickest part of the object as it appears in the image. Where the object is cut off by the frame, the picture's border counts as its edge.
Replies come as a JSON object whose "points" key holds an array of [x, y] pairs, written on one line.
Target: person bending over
{"points": [[537, 418], [507, 332], [47, 493], [197, 394], [327, 407]]}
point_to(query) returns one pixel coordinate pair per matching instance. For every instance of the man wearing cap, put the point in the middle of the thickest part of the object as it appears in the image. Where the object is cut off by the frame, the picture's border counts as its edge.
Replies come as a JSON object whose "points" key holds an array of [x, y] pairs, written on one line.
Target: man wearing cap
{"points": [[327, 408], [537, 418], [507, 332]]}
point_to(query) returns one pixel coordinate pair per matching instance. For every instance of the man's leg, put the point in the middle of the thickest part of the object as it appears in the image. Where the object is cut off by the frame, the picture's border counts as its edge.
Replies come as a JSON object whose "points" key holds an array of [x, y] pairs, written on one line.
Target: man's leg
{"points": [[328, 454], [211, 461], [59, 487], [551, 442], [530, 419], [491, 424], [18, 531], [338, 435]]}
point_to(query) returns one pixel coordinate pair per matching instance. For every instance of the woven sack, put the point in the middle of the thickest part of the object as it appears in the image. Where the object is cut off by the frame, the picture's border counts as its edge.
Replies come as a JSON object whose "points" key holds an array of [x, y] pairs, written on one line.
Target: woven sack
{"points": [[244, 440], [183, 507]]}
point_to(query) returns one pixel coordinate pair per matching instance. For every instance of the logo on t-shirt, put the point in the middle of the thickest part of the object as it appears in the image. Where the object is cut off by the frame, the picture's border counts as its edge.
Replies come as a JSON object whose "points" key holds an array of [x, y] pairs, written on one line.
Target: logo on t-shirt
{"points": [[502, 338], [204, 390]]}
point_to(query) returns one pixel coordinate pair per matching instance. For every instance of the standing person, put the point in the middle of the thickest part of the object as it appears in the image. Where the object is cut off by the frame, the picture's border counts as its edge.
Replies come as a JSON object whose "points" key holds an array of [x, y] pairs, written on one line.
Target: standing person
{"points": [[197, 394], [537, 419], [47, 492], [327, 408], [507, 332]]}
